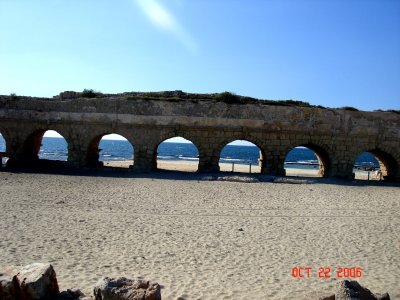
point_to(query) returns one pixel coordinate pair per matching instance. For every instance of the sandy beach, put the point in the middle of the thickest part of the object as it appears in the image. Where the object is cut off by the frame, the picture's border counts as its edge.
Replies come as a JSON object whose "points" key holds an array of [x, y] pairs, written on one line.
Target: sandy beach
{"points": [[191, 166], [202, 239], [187, 166]]}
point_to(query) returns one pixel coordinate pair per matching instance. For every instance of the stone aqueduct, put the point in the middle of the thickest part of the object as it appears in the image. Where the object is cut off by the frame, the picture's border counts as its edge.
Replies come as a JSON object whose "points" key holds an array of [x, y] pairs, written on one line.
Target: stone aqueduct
{"points": [[337, 136]]}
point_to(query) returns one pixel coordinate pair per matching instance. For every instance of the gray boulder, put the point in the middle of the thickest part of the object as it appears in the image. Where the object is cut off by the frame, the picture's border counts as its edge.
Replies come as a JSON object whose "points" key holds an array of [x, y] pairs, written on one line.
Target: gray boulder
{"points": [[126, 289], [32, 282], [38, 281]]}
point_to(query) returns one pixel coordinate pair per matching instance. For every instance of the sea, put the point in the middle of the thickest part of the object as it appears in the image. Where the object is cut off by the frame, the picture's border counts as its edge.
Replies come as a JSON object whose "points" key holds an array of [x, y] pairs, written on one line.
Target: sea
{"points": [[121, 150]]}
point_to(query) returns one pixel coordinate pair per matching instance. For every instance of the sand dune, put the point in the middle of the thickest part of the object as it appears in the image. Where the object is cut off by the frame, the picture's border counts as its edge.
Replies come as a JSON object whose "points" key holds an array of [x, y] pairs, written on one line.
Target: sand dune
{"points": [[201, 239]]}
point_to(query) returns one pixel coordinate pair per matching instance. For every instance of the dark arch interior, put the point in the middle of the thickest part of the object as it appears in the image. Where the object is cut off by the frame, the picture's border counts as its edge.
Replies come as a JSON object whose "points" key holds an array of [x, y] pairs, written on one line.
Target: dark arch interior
{"points": [[307, 161], [374, 165], [46, 145], [110, 150], [176, 154], [241, 156]]}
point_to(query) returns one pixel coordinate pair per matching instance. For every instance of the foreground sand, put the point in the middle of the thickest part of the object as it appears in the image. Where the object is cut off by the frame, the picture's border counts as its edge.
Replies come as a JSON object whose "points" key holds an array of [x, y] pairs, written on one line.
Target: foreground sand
{"points": [[201, 239]]}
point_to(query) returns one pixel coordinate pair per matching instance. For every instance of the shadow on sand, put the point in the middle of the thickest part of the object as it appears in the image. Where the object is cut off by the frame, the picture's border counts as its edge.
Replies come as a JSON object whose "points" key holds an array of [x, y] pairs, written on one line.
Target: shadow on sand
{"points": [[116, 172]]}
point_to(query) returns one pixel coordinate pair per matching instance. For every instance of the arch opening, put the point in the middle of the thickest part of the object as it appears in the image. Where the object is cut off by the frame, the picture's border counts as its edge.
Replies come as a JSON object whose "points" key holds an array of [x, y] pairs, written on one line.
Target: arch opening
{"points": [[241, 156], [3, 155], [110, 150], [53, 146], [45, 148], [374, 165], [307, 161], [177, 154]]}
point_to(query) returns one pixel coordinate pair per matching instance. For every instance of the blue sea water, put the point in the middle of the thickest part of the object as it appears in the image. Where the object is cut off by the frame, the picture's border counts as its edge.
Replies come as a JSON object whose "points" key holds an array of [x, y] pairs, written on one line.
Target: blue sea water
{"points": [[116, 150], [2, 144]]}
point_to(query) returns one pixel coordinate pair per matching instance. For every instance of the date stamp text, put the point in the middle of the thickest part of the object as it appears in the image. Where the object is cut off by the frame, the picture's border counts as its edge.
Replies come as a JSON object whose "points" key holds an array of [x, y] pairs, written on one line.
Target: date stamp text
{"points": [[327, 272]]}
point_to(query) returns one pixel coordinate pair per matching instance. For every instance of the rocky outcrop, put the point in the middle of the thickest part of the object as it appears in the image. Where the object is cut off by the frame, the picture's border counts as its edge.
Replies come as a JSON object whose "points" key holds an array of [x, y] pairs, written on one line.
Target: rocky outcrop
{"points": [[126, 289], [352, 290], [38, 281]]}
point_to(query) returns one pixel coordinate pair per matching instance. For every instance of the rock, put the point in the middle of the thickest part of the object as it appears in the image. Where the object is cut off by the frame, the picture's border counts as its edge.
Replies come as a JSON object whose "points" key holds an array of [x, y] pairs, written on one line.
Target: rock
{"points": [[76, 292], [38, 281], [126, 289], [292, 180], [31, 282], [352, 290], [331, 297], [9, 287], [238, 178], [72, 294]]}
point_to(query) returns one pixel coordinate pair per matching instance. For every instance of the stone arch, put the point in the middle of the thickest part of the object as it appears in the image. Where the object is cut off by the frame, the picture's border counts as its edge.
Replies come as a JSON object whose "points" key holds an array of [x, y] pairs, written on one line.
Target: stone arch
{"points": [[33, 144], [93, 149], [255, 164], [188, 154], [323, 163], [387, 164]]}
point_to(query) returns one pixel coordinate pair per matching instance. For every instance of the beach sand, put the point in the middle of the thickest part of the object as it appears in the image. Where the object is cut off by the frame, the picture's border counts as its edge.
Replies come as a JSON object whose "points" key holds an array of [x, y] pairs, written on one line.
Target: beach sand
{"points": [[202, 239], [187, 166], [191, 166]]}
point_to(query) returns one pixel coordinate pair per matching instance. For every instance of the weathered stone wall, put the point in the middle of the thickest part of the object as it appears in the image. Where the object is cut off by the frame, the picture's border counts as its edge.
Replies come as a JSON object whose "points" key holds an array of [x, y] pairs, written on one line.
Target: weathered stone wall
{"points": [[337, 136]]}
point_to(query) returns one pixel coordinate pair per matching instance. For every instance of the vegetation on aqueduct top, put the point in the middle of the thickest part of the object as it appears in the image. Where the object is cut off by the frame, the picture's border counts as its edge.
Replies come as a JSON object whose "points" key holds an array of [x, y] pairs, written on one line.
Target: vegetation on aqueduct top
{"points": [[178, 96]]}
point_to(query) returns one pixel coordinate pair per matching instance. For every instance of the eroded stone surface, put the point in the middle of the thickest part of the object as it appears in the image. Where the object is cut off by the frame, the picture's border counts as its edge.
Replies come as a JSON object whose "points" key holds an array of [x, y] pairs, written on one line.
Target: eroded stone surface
{"points": [[126, 289], [352, 290], [31, 282]]}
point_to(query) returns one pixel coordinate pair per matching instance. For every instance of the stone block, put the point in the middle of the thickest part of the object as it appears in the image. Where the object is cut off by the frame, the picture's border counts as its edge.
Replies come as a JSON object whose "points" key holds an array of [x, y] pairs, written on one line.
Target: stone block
{"points": [[285, 142]]}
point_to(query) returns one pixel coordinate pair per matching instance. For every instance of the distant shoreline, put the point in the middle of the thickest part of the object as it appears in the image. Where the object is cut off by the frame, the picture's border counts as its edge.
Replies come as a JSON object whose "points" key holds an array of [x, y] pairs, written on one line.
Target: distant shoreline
{"points": [[191, 166]]}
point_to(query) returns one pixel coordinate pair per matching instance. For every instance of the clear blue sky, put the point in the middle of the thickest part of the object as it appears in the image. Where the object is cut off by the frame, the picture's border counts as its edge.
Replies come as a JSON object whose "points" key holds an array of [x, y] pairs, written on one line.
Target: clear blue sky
{"points": [[331, 53]]}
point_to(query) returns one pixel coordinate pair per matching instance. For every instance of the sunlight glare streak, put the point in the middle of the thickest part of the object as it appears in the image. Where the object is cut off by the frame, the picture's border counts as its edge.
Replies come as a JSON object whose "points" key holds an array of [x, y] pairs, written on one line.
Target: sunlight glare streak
{"points": [[162, 18]]}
